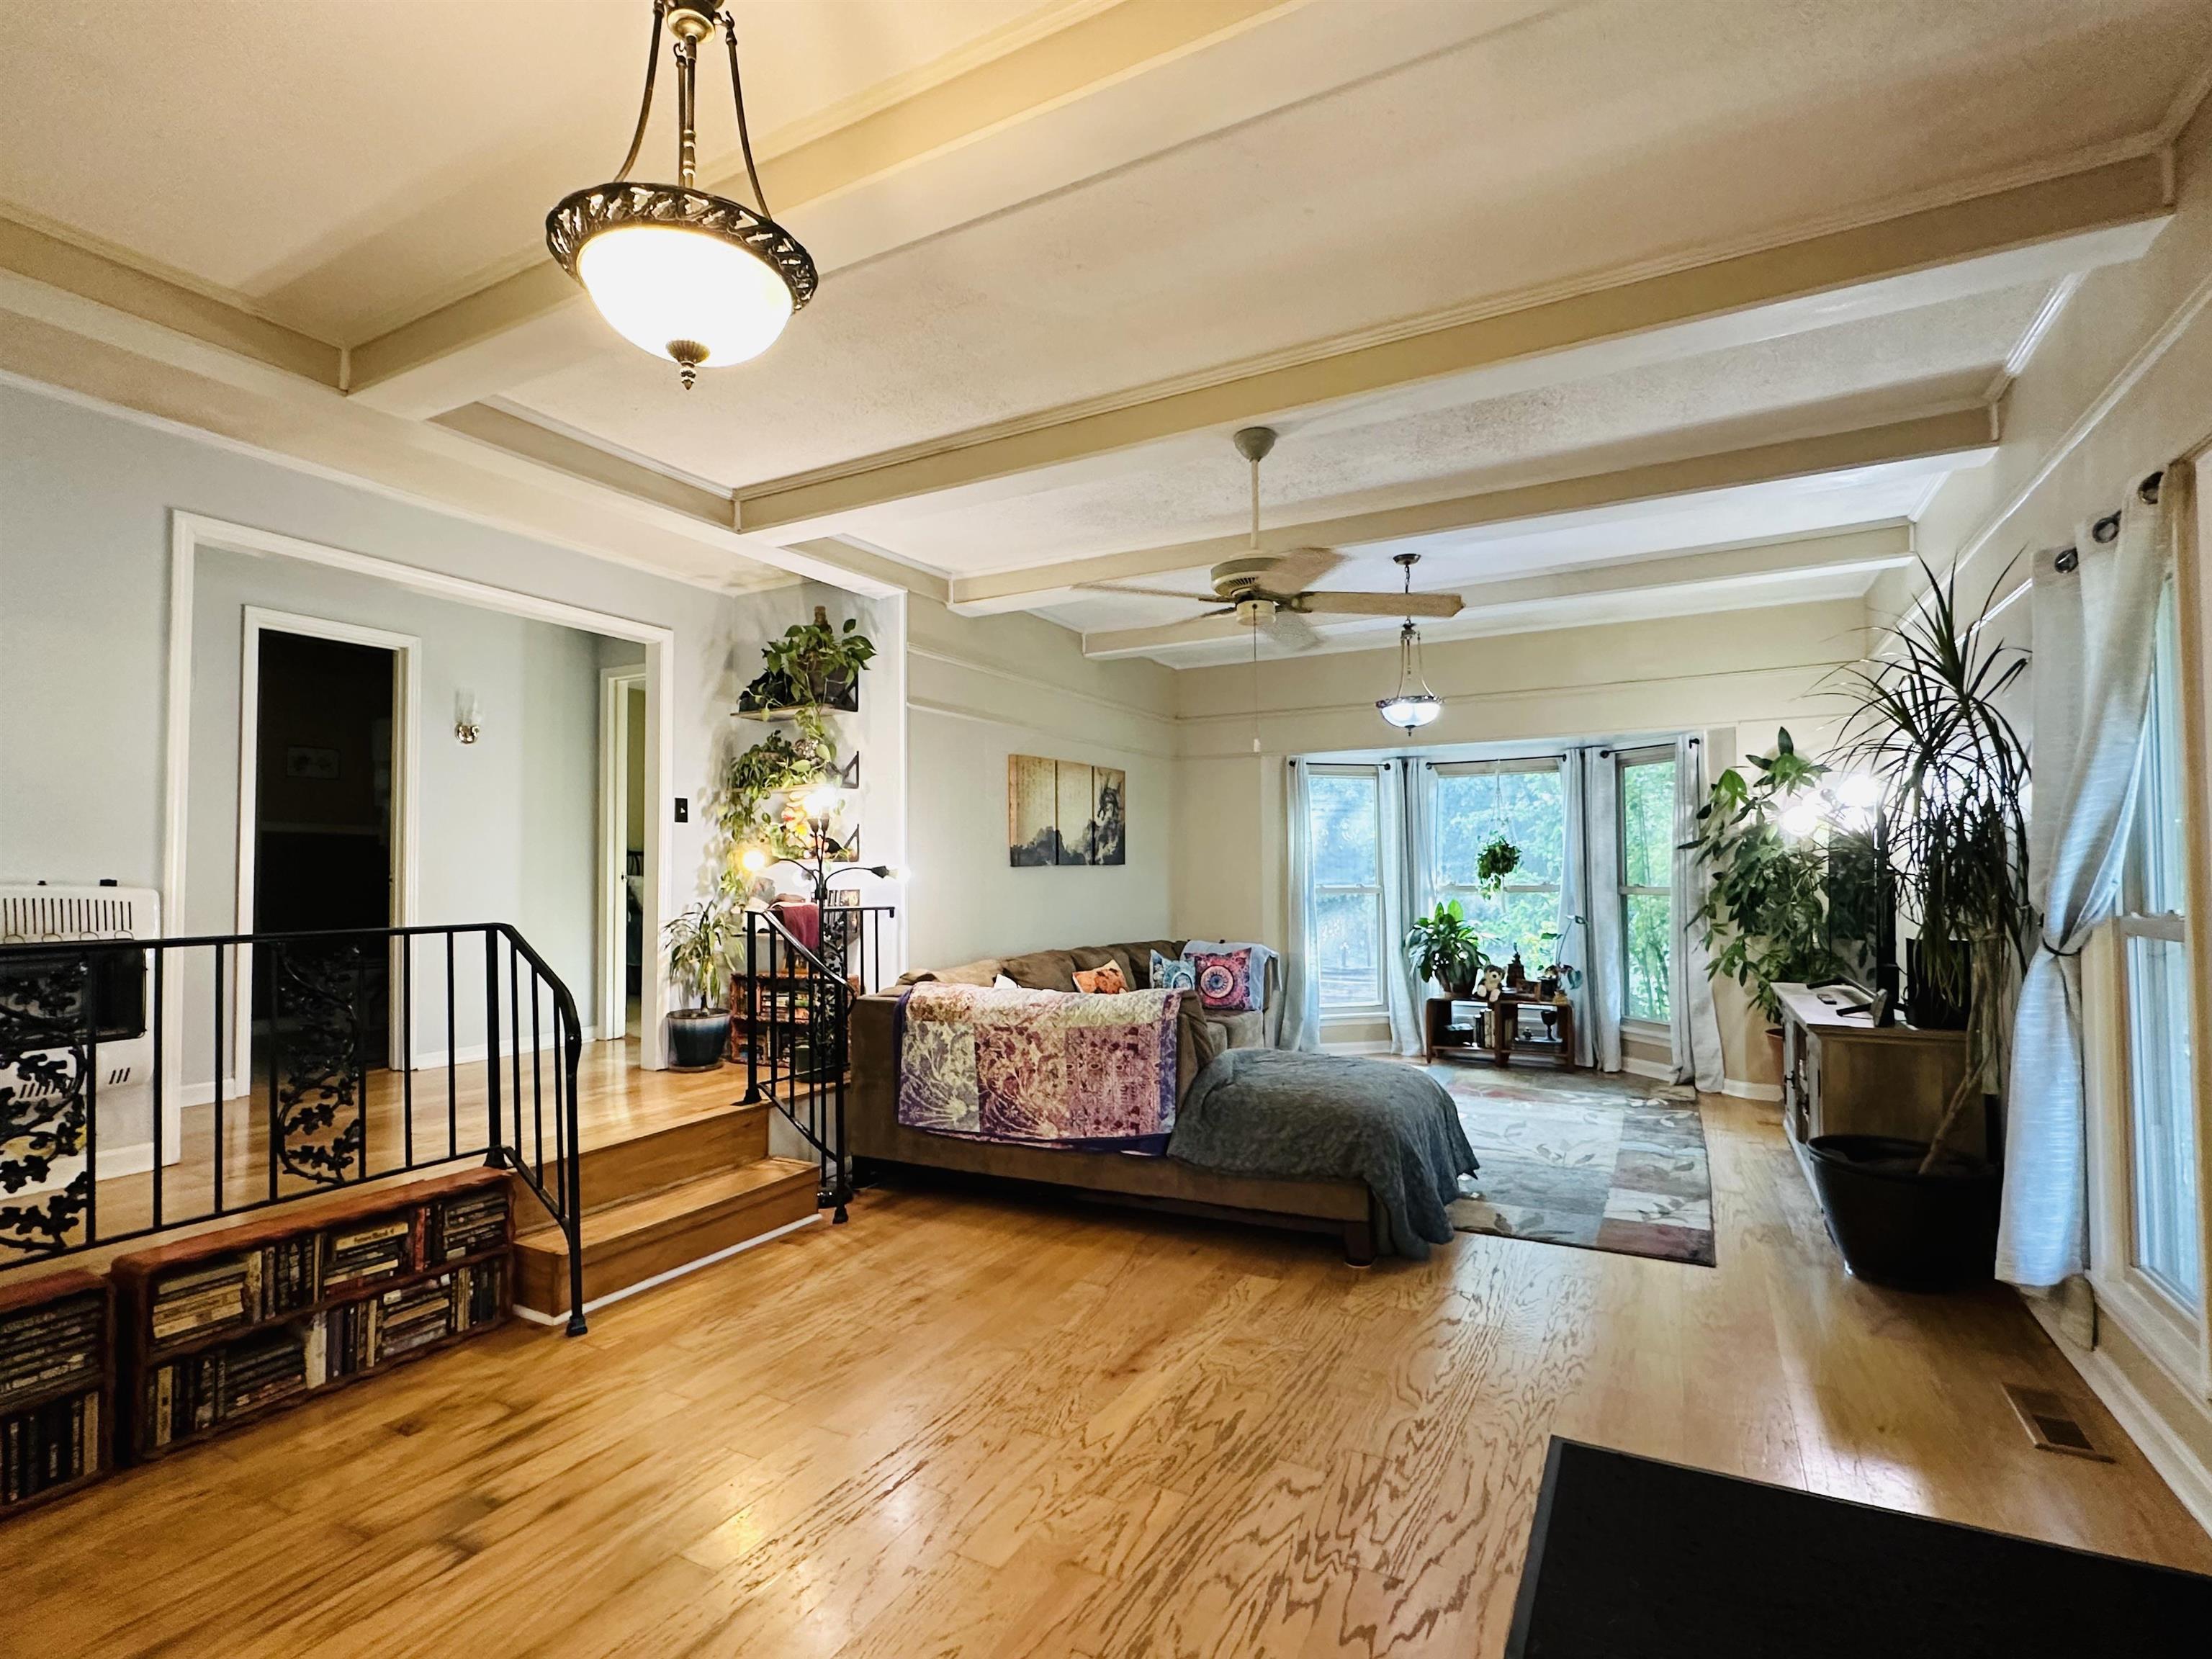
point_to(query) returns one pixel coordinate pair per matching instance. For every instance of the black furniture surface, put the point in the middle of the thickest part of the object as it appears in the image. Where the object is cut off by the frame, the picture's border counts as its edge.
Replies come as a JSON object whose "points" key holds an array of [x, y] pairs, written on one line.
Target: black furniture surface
{"points": [[1632, 1556]]}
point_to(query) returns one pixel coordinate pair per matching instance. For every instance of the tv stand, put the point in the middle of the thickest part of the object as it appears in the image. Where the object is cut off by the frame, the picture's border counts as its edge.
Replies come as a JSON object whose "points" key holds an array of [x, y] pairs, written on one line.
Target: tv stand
{"points": [[1842, 1074]]}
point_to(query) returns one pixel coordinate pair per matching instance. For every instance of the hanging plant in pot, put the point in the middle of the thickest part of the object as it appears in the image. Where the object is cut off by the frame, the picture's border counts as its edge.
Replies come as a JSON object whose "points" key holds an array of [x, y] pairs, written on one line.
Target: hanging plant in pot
{"points": [[1446, 950], [699, 962], [1927, 721], [815, 665], [1764, 913]]}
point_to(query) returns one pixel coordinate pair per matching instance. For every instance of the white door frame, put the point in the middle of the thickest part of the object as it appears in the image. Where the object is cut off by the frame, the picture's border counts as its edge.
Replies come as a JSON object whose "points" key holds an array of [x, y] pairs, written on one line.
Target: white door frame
{"points": [[615, 686], [189, 531], [406, 794]]}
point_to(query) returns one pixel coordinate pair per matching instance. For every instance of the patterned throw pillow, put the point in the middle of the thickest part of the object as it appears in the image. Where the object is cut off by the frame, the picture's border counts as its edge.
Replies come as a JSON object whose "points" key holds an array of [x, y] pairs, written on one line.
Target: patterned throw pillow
{"points": [[1102, 981], [1225, 981], [1173, 974]]}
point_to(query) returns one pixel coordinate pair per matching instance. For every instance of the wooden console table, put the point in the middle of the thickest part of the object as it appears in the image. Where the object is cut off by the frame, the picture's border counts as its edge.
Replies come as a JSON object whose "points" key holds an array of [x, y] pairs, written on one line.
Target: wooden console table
{"points": [[1842, 1074], [1496, 1035]]}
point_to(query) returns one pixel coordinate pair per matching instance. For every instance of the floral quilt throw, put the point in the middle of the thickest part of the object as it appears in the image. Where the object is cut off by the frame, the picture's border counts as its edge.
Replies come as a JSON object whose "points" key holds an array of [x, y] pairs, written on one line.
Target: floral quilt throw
{"points": [[1040, 1068]]}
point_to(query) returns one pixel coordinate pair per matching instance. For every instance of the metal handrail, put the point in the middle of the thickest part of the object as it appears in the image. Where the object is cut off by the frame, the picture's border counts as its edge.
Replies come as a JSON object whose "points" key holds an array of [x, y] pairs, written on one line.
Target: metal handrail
{"points": [[314, 1073]]}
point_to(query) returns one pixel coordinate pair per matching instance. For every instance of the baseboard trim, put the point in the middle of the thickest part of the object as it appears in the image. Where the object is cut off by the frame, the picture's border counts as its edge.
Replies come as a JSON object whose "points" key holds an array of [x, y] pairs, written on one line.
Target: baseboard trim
{"points": [[2182, 1470], [1743, 1091], [1654, 1068], [1370, 1046], [613, 1297]]}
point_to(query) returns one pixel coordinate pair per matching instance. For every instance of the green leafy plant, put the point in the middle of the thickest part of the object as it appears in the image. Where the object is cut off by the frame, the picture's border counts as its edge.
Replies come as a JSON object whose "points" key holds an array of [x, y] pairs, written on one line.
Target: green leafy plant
{"points": [[774, 765], [1927, 719], [699, 951], [1446, 947], [815, 662], [1569, 975], [1494, 863], [1764, 913]]}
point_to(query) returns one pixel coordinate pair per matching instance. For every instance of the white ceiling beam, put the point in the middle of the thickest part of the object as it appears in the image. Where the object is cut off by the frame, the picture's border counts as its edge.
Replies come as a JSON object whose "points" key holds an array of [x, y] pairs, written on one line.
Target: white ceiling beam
{"points": [[1965, 434], [1492, 607], [2104, 213]]}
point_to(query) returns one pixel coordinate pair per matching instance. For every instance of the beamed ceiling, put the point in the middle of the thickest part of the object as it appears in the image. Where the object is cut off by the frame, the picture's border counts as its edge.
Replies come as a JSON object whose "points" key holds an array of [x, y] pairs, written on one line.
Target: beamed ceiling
{"points": [[1605, 307]]}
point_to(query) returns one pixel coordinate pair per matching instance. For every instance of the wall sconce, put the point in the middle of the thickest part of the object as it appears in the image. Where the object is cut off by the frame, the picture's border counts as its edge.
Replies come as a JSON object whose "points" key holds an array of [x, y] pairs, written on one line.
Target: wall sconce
{"points": [[468, 726]]}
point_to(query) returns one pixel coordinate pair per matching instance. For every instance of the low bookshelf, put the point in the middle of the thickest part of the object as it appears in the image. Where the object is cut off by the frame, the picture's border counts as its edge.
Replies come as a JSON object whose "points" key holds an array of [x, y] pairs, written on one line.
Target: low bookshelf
{"points": [[222, 1329], [57, 1388]]}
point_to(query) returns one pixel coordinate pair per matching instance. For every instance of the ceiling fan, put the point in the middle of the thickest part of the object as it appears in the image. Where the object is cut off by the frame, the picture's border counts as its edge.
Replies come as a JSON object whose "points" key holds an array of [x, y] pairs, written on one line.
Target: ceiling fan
{"points": [[1273, 593]]}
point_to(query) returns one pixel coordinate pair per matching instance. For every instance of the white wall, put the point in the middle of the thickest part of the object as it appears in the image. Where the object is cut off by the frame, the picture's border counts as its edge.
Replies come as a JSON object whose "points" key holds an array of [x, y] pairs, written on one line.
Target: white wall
{"points": [[979, 690], [86, 496], [2120, 387]]}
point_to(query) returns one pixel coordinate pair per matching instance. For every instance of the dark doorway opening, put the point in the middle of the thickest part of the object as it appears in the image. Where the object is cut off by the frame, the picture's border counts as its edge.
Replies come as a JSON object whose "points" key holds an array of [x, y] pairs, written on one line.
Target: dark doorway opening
{"points": [[322, 819]]}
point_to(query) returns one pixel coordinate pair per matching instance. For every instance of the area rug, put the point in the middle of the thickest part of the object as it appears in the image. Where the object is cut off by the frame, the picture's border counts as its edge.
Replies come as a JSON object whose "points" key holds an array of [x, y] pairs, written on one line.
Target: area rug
{"points": [[1582, 1159]]}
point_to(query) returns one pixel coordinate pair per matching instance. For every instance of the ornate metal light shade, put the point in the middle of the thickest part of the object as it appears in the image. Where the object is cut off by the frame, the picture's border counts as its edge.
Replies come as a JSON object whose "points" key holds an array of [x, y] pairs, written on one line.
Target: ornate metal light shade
{"points": [[696, 278], [1413, 705]]}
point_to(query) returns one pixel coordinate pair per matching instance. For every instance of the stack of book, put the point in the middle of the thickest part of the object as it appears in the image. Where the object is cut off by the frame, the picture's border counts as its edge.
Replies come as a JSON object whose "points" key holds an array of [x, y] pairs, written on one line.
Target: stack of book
{"points": [[469, 1224], [43, 1346], [377, 1249], [260, 1368], [209, 1297], [414, 1316], [479, 1293], [48, 1446]]}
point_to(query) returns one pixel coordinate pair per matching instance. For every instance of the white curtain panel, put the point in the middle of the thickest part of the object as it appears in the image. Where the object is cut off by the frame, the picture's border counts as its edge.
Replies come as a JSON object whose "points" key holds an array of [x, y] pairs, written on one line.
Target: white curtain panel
{"points": [[2095, 604], [1696, 1032], [1604, 986], [1403, 884], [1574, 899], [1300, 1022]]}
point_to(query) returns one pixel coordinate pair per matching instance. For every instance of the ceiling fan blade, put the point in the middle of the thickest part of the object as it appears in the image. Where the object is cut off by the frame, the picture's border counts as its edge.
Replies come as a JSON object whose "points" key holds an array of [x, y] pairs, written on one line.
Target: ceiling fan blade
{"points": [[1210, 629], [1292, 631], [1299, 569], [1148, 592], [1383, 604]]}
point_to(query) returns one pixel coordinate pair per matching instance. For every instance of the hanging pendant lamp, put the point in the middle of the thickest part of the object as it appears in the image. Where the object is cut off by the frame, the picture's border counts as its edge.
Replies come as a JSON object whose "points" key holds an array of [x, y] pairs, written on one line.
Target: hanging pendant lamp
{"points": [[696, 278], [1413, 705]]}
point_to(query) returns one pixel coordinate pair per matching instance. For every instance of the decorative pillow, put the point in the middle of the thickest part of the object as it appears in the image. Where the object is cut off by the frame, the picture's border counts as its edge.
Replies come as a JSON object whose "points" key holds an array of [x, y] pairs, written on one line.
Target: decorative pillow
{"points": [[1173, 974], [1106, 982], [1261, 956], [1226, 980]]}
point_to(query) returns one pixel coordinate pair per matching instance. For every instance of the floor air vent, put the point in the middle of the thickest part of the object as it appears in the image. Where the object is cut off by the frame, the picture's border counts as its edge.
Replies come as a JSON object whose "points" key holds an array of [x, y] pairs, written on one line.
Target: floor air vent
{"points": [[2051, 1423]]}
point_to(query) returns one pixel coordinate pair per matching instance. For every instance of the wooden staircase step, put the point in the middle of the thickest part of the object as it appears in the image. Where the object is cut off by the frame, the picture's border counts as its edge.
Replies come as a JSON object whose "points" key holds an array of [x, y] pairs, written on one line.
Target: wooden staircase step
{"points": [[660, 1231], [615, 1171]]}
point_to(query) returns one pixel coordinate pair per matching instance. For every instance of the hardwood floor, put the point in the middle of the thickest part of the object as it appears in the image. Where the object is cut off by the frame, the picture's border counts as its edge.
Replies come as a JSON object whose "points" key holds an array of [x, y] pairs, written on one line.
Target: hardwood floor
{"points": [[974, 1426]]}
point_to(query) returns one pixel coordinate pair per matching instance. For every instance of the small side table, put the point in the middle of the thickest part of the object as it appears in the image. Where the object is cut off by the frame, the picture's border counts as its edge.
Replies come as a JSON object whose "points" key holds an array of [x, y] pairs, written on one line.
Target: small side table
{"points": [[1496, 1033]]}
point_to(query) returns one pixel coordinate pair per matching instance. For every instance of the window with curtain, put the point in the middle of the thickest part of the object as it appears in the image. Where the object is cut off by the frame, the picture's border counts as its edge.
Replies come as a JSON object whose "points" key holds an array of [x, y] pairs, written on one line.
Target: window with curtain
{"points": [[1344, 827], [2154, 963], [1471, 803], [1647, 880]]}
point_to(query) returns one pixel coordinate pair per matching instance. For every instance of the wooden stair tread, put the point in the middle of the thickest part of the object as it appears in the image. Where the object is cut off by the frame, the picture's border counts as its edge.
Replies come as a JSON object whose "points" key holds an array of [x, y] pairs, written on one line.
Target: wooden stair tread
{"points": [[650, 1215]]}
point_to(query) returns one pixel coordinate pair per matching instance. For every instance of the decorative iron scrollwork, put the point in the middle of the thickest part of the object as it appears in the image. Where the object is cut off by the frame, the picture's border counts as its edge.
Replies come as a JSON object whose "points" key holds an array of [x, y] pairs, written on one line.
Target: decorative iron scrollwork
{"points": [[575, 219], [317, 1077], [45, 1068]]}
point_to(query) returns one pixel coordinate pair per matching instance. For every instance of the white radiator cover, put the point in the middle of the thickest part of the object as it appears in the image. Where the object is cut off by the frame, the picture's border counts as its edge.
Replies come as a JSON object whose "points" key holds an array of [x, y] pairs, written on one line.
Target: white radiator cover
{"points": [[44, 913]]}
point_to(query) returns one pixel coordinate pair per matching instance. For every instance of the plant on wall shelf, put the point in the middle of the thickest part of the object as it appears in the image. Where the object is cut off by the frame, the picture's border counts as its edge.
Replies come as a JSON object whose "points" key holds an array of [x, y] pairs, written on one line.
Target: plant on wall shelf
{"points": [[1446, 948], [772, 766], [1764, 913], [1496, 861], [815, 665]]}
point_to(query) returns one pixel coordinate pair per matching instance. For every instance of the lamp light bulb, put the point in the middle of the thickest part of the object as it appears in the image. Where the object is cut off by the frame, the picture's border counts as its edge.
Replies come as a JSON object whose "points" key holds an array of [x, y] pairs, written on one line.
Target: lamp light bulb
{"points": [[1860, 791], [754, 860], [1801, 817], [821, 800]]}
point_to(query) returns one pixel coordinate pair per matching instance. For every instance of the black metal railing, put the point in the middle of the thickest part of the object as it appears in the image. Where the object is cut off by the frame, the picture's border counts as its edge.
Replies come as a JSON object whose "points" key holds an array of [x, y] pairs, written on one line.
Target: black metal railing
{"points": [[795, 1012], [149, 1085]]}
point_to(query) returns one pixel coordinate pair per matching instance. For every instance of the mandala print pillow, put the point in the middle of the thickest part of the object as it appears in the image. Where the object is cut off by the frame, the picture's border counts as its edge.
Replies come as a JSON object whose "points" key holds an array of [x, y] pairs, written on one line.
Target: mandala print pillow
{"points": [[1173, 974], [1225, 981]]}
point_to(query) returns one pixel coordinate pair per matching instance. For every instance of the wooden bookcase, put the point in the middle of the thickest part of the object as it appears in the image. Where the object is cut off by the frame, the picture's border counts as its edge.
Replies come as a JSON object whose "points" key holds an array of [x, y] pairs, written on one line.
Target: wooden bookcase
{"points": [[181, 1386], [65, 1320]]}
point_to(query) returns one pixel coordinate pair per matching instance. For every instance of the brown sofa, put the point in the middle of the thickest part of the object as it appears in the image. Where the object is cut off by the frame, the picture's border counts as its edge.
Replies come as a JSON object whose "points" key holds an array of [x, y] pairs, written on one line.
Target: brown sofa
{"points": [[878, 1139]]}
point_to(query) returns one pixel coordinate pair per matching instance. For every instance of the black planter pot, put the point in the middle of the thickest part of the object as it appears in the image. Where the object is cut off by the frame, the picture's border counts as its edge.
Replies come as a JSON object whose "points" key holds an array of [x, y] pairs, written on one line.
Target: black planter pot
{"points": [[1927, 1007], [1897, 1227], [697, 1039]]}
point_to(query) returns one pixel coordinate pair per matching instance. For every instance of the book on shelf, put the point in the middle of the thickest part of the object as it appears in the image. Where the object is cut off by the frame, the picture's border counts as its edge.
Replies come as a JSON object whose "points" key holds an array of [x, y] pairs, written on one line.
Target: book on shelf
{"points": [[47, 1343], [49, 1445]]}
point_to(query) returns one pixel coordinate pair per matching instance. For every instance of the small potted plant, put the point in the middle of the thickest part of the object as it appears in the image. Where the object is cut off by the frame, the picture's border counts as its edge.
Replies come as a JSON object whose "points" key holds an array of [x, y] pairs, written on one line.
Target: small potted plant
{"points": [[1496, 861], [1446, 949], [698, 963]]}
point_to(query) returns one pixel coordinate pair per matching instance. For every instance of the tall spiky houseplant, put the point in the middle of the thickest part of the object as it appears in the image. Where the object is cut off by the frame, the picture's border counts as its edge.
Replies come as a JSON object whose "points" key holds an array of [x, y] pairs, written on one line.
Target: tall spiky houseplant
{"points": [[1926, 718]]}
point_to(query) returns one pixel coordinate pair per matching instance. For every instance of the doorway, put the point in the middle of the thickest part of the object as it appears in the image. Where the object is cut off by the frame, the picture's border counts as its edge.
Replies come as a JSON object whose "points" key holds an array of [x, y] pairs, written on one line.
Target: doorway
{"points": [[324, 838], [624, 949]]}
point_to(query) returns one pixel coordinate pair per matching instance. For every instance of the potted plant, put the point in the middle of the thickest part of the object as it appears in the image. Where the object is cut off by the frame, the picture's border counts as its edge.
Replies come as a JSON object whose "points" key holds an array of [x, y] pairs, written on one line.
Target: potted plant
{"points": [[814, 666], [1765, 912], [1927, 719], [1446, 949], [698, 963]]}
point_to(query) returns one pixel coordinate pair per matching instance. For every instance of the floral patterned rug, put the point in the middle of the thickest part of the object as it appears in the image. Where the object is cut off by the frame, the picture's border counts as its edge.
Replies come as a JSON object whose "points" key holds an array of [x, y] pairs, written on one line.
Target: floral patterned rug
{"points": [[1603, 1163]]}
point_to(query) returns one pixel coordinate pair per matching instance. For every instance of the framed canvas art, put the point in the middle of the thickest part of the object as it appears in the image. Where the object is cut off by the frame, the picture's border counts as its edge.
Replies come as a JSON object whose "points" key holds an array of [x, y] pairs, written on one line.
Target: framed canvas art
{"points": [[1064, 812]]}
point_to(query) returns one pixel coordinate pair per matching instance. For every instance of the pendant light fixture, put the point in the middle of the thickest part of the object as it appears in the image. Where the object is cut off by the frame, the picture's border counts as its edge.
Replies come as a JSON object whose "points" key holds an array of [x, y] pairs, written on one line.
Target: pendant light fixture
{"points": [[1413, 705], [696, 278]]}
